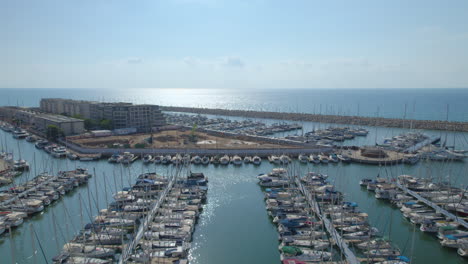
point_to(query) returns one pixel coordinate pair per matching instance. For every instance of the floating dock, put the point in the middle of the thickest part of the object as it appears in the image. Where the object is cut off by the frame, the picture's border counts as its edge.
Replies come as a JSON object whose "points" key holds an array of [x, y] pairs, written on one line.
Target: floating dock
{"points": [[349, 255], [144, 226], [434, 206]]}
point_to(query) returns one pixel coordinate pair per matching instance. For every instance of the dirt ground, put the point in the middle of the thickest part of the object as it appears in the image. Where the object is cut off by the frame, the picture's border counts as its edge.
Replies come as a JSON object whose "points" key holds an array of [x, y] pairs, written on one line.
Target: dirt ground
{"points": [[173, 139]]}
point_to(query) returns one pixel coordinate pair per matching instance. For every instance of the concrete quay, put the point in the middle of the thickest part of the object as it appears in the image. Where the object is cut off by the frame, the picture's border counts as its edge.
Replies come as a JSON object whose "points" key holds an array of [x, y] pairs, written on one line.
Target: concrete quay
{"points": [[349, 120]]}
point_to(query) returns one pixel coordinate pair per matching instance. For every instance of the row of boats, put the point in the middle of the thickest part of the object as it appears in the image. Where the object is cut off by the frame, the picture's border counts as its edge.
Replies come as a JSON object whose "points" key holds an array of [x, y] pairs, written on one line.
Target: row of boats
{"points": [[324, 158], [302, 227], [167, 237], [128, 157], [245, 127], [166, 213], [338, 134], [420, 212], [31, 197], [102, 239], [14, 168], [55, 150]]}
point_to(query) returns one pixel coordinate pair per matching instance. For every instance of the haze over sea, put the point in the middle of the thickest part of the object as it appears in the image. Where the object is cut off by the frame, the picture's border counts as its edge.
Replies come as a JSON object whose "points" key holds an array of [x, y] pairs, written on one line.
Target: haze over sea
{"points": [[427, 104]]}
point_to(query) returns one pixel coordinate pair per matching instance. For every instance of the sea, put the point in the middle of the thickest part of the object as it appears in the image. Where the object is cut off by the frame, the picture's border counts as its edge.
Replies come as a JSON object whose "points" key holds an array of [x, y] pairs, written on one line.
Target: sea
{"points": [[234, 226]]}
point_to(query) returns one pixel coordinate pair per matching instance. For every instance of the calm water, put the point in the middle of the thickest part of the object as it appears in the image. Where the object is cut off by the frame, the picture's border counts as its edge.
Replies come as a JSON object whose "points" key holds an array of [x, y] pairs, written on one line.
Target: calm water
{"points": [[419, 103], [234, 226]]}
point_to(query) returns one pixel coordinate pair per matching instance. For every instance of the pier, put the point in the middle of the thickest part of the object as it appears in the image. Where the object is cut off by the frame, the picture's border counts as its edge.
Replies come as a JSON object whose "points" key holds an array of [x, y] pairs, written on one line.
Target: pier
{"points": [[420, 145], [337, 119], [148, 220], [25, 193], [434, 206], [349, 255]]}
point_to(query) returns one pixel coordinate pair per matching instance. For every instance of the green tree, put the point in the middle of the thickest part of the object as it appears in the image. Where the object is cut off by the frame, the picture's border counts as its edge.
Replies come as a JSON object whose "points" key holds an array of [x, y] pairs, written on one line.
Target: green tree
{"points": [[105, 124], [193, 135], [78, 116], [54, 132], [90, 124]]}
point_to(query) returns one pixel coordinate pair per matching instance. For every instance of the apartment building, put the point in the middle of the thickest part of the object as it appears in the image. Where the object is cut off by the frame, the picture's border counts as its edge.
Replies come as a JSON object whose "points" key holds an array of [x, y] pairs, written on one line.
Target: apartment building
{"points": [[143, 118]]}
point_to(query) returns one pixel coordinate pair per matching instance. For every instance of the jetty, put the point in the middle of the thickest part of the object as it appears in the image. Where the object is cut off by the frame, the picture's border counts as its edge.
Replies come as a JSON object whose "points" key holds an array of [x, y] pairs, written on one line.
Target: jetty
{"points": [[433, 205], [30, 190], [420, 145], [146, 222], [349, 255], [337, 119]]}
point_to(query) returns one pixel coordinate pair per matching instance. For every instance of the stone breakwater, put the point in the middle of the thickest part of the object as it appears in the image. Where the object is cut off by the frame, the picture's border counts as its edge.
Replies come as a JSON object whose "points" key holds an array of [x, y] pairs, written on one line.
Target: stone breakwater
{"points": [[349, 120]]}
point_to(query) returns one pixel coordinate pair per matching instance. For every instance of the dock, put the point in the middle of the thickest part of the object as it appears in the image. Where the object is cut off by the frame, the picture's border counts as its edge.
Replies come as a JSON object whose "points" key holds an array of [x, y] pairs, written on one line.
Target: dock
{"points": [[25, 193], [349, 255], [434, 206], [420, 145], [144, 226]]}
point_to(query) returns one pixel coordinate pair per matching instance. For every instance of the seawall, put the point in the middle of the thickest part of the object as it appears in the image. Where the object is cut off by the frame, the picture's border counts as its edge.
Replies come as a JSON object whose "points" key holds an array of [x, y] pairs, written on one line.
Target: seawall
{"points": [[349, 120]]}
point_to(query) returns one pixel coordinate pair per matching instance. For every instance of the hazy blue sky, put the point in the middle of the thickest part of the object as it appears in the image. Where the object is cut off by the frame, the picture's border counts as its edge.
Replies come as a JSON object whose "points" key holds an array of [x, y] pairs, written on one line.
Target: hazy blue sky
{"points": [[228, 44]]}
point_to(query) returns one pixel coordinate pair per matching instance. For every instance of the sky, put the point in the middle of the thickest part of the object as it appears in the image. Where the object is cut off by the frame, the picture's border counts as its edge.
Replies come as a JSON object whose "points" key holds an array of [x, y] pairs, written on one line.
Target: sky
{"points": [[233, 44]]}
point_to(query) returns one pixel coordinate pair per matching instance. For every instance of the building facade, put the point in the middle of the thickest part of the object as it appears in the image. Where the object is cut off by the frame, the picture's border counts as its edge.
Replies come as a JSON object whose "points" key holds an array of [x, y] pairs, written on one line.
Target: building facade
{"points": [[67, 106], [143, 118], [39, 121]]}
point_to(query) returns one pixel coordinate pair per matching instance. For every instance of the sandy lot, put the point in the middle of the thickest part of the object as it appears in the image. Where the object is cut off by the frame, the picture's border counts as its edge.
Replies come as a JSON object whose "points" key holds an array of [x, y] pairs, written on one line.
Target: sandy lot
{"points": [[174, 139]]}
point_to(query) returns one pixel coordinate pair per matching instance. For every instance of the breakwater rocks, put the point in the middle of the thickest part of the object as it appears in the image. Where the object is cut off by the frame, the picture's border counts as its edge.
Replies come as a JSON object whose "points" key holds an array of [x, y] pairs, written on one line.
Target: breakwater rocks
{"points": [[350, 120]]}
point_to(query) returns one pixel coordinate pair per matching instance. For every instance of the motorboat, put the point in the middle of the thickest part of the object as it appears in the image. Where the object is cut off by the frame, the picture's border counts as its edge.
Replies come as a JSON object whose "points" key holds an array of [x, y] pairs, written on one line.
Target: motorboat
{"points": [[205, 160], [314, 159], [343, 158], [224, 160], [333, 158], [195, 160], [147, 159], [274, 159], [59, 152], [157, 159], [166, 160], [126, 158], [285, 159], [303, 158], [323, 159], [256, 160], [236, 160], [20, 134], [114, 158], [40, 144], [20, 165]]}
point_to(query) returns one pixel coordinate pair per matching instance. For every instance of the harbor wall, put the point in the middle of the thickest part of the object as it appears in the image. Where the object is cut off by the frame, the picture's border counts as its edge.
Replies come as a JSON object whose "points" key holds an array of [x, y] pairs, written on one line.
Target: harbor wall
{"points": [[337, 119]]}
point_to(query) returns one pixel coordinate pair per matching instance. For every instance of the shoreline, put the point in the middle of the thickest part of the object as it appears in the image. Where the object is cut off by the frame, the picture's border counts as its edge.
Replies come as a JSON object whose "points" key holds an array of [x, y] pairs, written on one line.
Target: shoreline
{"points": [[336, 119]]}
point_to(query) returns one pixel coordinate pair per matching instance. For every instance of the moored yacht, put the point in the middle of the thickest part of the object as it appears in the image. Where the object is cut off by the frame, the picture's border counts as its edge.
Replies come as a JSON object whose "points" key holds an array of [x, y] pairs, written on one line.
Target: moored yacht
{"points": [[224, 160], [236, 160], [147, 159], [256, 160], [20, 165], [59, 152]]}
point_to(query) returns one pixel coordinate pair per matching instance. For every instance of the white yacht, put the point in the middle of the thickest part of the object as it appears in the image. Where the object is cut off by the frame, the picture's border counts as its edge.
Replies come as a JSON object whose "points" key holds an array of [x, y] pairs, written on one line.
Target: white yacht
{"points": [[236, 160], [59, 152], [20, 165]]}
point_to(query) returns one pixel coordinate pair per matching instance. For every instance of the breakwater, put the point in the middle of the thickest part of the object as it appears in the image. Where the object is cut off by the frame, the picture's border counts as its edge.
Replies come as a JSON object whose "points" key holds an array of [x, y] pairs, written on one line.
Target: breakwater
{"points": [[338, 119]]}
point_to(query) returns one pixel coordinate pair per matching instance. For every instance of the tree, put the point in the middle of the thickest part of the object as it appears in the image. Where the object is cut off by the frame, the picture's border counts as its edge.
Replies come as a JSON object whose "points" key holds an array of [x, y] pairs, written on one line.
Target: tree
{"points": [[54, 132], [90, 124], [193, 135], [105, 124], [78, 116]]}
